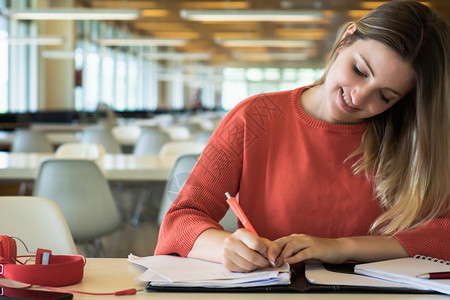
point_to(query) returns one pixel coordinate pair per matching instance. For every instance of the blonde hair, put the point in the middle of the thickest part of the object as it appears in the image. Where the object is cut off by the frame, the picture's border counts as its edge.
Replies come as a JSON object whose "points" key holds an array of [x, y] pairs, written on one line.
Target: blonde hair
{"points": [[407, 147]]}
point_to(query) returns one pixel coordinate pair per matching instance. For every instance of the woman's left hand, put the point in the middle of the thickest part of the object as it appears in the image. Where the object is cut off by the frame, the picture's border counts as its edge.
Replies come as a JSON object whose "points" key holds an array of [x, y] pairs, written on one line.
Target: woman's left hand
{"points": [[301, 247]]}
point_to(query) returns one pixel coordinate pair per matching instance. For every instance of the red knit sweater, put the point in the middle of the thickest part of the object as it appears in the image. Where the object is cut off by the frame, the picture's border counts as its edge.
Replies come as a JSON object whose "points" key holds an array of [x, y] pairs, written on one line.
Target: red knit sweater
{"points": [[292, 177]]}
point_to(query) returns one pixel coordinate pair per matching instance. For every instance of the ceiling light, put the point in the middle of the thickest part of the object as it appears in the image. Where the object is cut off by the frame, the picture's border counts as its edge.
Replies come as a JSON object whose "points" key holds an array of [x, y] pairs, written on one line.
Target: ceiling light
{"points": [[283, 43], [179, 56], [252, 15], [34, 40], [142, 42], [72, 14]]}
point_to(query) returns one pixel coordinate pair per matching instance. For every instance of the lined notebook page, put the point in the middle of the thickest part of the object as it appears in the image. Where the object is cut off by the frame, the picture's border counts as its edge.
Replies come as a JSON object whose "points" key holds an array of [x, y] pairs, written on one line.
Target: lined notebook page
{"points": [[405, 270]]}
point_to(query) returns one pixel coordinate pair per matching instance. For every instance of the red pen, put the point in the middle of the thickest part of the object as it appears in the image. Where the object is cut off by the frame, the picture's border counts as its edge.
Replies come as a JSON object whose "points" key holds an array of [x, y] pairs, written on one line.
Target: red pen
{"points": [[435, 275], [232, 202]]}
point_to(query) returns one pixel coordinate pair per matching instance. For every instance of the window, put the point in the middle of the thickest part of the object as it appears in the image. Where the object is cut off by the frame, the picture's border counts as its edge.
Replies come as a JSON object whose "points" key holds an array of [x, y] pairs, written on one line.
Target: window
{"points": [[132, 84], [92, 81], [120, 102], [240, 83], [107, 77]]}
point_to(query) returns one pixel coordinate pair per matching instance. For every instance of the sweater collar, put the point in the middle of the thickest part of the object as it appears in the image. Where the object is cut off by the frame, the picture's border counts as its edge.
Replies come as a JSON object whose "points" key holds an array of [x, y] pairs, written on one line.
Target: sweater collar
{"points": [[308, 120]]}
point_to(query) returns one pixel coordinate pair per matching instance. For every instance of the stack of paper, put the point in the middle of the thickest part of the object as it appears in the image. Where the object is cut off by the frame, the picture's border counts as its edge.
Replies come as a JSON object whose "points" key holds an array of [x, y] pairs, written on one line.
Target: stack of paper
{"points": [[167, 270], [405, 270]]}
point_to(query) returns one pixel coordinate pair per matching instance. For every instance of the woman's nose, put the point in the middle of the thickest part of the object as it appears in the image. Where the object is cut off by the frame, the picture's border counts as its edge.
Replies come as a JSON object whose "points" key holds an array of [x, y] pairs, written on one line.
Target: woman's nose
{"points": [[360, 95]]}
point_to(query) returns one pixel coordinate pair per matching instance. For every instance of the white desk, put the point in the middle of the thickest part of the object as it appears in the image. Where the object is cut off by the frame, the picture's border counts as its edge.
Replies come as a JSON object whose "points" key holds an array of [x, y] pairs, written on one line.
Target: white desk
{"points": [[114, 274], [116, 167], [58, 138]]}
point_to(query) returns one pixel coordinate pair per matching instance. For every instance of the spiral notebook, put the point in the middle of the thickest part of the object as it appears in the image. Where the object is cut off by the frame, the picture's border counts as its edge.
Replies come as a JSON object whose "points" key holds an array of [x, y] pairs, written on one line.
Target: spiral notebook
{"points": [[405, 271]]}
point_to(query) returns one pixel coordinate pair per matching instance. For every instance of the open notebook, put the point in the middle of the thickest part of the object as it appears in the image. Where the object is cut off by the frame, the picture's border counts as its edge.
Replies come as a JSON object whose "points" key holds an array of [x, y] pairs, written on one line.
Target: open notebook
{"points": [[405, 271], [179, 274], [167, 270]]}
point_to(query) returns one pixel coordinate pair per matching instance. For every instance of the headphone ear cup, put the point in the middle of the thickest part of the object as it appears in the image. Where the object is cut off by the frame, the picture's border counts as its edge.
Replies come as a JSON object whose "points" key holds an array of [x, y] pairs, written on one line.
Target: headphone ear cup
{"points": [[8, 249]]}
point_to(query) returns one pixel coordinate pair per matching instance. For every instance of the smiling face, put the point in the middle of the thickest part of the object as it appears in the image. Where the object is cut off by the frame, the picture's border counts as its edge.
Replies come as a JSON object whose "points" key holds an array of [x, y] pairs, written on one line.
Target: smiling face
{"points": [[366, 79]]}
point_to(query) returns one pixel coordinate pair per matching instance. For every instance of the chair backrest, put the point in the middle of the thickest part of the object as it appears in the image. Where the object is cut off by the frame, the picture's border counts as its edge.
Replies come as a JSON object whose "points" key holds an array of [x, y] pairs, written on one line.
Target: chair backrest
{"points": [[83, 194], [193, 127], [80, 150], [37, 222], [178, 176], [173, 149], [177, 132], [26, 140], [150, 141], [126, 132], [102, 136], [203, 136]]}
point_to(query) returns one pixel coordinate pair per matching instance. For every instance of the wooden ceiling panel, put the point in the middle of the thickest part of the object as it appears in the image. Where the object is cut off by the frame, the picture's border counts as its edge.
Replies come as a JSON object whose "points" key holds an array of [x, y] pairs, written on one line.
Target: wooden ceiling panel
{"points": [[161, 18]]}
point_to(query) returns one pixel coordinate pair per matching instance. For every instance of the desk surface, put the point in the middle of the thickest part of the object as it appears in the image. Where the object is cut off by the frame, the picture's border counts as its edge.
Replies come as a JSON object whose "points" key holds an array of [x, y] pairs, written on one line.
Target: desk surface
{"points": [[104, 275], [116, 167]]}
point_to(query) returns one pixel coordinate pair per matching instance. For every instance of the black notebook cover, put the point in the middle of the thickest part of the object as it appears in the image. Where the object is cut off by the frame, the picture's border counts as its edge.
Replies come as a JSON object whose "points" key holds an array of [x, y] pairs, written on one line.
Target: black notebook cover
{"points": [[299, 284]]}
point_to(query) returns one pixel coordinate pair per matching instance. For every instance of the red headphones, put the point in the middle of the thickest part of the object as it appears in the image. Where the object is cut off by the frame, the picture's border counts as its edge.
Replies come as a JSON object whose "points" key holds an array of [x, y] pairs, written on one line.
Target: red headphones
{"points": [[48, 270]]}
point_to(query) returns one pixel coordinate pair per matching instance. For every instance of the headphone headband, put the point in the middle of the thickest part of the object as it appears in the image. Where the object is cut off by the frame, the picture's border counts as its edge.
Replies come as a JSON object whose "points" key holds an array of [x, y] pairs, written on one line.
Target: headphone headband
{"points": [[61, 270]]}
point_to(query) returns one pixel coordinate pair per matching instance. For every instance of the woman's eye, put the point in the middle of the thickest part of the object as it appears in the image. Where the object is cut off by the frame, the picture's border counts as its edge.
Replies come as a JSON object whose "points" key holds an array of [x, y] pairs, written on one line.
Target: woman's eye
{"points": [[386, 100], [358, 71]]}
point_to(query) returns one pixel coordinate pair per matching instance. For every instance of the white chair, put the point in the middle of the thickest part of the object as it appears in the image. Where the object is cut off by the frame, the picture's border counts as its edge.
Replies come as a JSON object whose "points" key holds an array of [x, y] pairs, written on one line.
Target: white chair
{"points": [[92, 151], [81, 191], [26, 140], [37, 222], [178, 175], [203, 136], [173, 149], [177, 132], [193, 127], [127, 133], [150, 141], [102, 136]]}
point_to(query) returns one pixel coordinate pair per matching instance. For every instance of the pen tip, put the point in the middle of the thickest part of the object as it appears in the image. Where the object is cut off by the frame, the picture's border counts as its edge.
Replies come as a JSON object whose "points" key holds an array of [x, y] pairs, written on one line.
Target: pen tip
{"points": [[228, 195]]}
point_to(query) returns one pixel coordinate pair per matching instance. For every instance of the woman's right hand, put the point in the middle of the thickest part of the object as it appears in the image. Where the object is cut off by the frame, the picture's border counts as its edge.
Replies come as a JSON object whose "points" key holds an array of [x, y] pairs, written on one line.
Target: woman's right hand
{"points": [[244, 251]]}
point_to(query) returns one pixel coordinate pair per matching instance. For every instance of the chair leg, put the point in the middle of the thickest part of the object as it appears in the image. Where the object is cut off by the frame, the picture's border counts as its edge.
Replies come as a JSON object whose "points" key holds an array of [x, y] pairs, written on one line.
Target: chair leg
{"points": [[143, 196], [119, 191], [93, 248], [25, 187]]}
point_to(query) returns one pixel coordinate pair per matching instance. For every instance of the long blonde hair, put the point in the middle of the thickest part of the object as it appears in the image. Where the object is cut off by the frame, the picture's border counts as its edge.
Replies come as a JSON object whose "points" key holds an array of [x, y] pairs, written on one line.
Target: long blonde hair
{"points": [[407, 148]]}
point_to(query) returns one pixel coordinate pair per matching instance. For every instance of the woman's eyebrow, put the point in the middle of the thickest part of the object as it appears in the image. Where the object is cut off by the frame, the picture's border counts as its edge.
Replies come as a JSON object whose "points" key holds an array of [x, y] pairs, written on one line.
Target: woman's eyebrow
{"points": [[367, 64], [373, 74]]}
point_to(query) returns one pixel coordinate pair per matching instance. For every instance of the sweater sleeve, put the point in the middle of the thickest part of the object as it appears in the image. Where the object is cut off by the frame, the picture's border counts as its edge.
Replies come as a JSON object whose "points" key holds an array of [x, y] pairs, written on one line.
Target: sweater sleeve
{"points": [[201, 203], [431, 239]]}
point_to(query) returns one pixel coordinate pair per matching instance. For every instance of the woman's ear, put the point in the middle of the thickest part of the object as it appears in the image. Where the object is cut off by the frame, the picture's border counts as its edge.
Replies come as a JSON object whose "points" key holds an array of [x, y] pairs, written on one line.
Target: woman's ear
{"points": [[349, 31], [347, 34]]}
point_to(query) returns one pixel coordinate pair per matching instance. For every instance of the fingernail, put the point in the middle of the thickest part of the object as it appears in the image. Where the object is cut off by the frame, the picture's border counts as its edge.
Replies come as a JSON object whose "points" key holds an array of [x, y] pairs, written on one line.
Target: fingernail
{"points": [[272, 263]]}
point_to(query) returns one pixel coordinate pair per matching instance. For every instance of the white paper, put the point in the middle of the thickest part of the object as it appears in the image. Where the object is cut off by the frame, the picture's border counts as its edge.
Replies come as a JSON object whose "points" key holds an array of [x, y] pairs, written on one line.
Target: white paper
{"points": [[405, 270], [171, 270]]}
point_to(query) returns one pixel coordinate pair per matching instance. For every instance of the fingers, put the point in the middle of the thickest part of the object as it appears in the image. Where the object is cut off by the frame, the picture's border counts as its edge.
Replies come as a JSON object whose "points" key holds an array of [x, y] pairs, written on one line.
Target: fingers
{"points": [[244, 252], [298, 247], [274, 253], [301, 247]]}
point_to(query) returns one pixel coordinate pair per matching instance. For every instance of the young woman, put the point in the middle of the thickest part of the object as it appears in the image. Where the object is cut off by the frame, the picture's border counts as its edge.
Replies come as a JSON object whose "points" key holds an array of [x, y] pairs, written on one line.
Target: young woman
{"points": [[355, 167]]}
